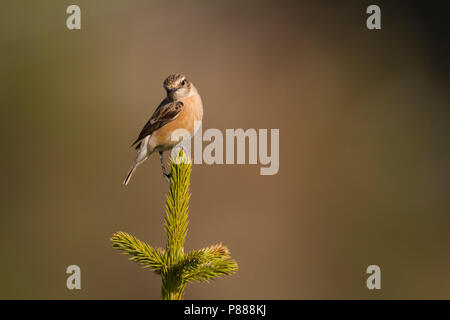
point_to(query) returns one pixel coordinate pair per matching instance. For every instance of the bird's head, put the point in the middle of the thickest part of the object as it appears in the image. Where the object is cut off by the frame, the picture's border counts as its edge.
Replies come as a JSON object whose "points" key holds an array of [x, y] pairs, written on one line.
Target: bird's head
{"points": [[178, 87]]}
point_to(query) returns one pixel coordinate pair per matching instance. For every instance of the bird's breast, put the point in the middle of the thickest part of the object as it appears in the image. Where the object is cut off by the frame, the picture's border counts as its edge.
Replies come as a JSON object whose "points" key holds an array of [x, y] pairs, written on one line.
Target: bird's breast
{"points": [[190, 114], [193, 106]]}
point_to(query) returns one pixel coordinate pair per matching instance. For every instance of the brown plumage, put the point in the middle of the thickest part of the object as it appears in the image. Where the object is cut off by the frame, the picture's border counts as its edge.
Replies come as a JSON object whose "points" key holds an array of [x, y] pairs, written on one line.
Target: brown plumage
{"points": [[166, 112], [179, 110]]}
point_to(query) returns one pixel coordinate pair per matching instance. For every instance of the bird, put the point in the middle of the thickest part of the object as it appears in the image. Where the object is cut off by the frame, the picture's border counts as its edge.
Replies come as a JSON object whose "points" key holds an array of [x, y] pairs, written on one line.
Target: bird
{"points": [[182, 108]]}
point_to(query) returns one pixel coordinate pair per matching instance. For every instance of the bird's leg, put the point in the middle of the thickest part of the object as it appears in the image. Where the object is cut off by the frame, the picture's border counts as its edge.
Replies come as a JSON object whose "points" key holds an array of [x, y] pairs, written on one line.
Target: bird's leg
{"points": [[166, 175]]}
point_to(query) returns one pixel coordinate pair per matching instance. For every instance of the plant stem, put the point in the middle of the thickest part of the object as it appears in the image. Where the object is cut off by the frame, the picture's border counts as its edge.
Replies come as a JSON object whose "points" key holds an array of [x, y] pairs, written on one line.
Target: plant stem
{"points": [[172, 289], [176, 268], [176, 222]]}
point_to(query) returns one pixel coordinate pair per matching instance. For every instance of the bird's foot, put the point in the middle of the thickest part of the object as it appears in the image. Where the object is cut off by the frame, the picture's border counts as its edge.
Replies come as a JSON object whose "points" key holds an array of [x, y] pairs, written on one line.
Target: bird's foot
{"points": [[167, 176]]}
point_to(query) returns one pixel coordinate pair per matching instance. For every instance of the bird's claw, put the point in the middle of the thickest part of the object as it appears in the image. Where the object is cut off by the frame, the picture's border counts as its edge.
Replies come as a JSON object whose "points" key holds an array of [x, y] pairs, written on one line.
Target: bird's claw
{"points": [[167, 176]]}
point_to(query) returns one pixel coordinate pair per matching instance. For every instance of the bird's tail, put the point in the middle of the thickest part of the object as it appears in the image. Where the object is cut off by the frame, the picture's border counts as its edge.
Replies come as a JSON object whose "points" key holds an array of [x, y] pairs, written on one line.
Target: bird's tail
{"points": [[142, 155], [129, 174]]}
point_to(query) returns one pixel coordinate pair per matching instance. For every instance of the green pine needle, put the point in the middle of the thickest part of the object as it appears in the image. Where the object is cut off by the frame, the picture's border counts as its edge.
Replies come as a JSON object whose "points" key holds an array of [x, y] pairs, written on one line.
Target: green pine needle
{"points": [[140, 252], [206, 264], [175, 267]]}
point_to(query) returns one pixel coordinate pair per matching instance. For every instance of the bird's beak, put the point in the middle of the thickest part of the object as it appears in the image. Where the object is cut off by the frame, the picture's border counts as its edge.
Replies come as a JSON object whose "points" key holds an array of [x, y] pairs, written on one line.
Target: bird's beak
{"points": [[171, 92]]}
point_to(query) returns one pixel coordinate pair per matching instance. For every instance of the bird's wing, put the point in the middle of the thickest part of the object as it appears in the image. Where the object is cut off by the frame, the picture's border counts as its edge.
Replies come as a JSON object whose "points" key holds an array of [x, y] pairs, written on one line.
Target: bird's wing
{"points": [[166, 112]]}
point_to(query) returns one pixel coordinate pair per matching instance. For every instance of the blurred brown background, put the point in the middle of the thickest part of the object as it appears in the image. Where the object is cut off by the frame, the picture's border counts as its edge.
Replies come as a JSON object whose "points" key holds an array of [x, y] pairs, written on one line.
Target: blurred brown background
{"points": [[364, 155]]}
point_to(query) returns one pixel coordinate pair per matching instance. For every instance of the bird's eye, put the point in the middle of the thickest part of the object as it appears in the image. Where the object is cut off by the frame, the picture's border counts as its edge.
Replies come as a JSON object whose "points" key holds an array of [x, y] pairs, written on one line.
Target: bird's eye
{"points": [[183, 82]]}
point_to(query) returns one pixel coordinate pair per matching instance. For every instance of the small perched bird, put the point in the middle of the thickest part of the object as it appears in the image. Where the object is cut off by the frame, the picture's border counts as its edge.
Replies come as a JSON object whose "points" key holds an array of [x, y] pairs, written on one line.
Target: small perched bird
{"points": [[179, 110]]}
